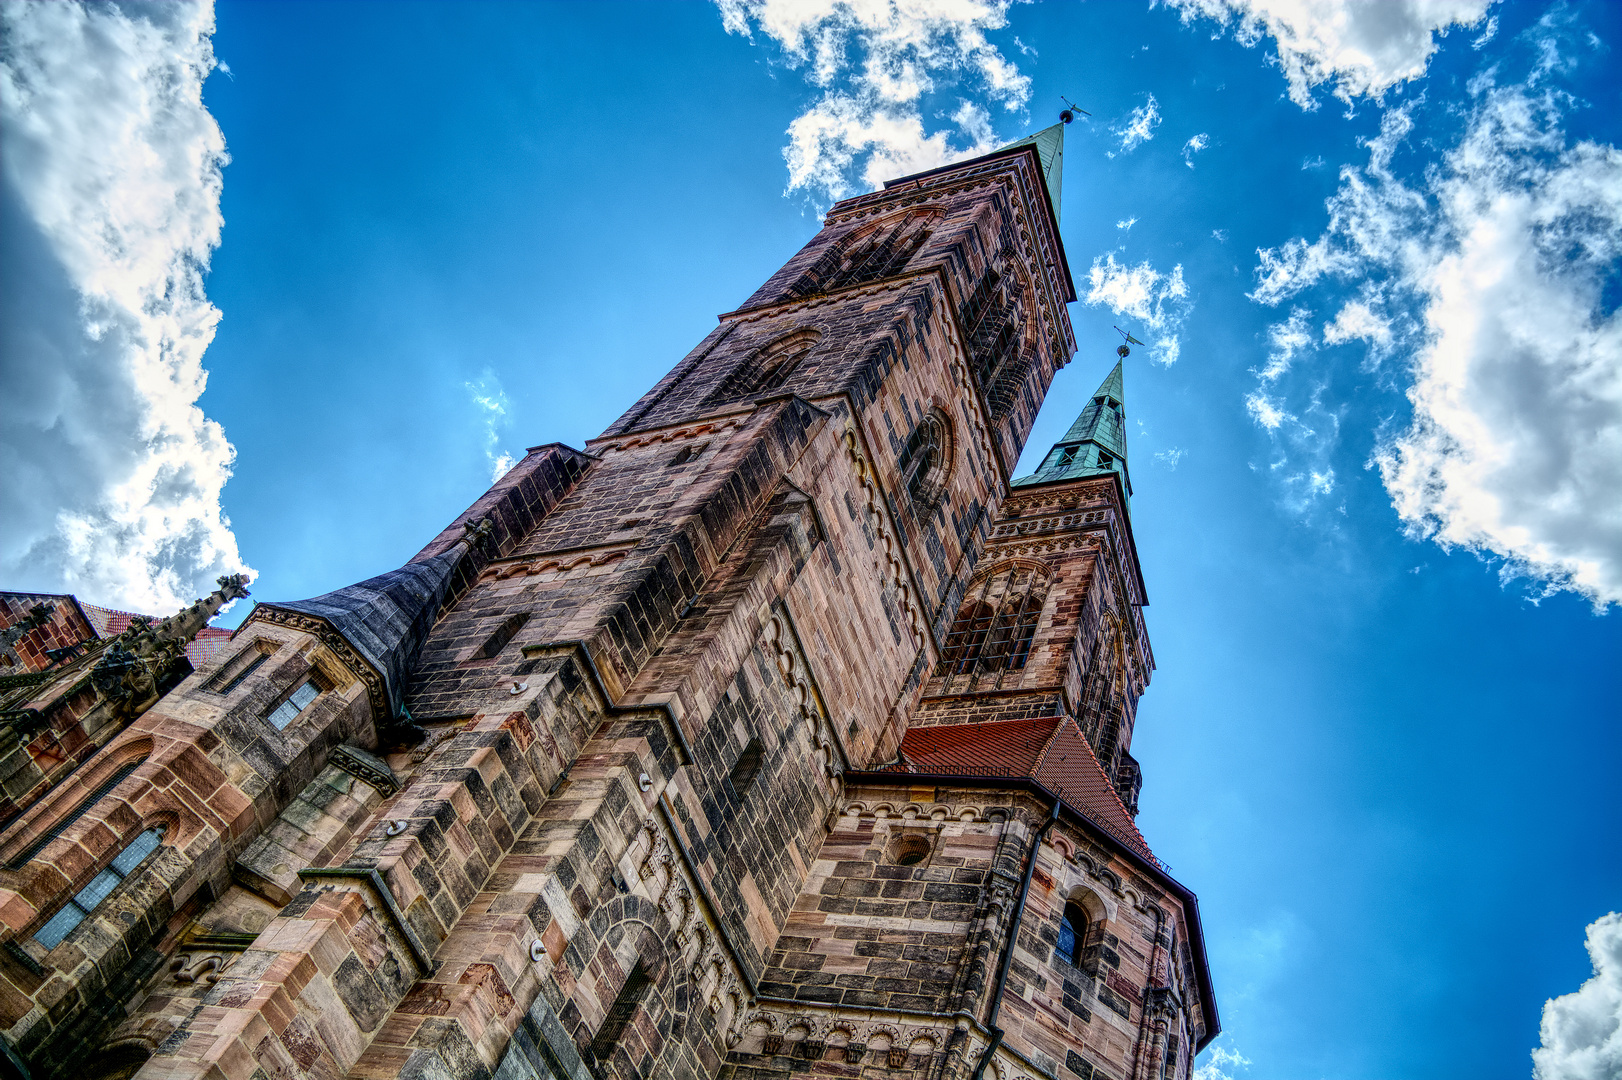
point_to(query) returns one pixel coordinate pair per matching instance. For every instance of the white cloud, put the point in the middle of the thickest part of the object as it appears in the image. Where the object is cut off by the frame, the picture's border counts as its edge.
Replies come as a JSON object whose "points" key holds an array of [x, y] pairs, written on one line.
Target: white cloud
{"points": [[1488, 32], [1496, 260], [1287, 338], [111, 172], [1363, 48], [1358, 322], [1582, 1031], [1193, 146], [1221, 1064], [1139, 126], [1126, 223], [1266, 411], [491, 400], [1170, 458], [1156, 302], [874, 62]]}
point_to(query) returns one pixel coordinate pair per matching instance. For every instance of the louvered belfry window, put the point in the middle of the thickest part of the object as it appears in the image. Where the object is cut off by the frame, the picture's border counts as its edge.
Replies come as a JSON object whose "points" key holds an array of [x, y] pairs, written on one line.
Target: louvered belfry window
{"points": [[996, 626]]}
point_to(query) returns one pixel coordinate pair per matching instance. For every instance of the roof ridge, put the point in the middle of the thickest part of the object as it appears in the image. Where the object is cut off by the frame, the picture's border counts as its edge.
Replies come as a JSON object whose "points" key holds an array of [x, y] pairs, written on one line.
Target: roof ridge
{"points": [[1110, 785]]}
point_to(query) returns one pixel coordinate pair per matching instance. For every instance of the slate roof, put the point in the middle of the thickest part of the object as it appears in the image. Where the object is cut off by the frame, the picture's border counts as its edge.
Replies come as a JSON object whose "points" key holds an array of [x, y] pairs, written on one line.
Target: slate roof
{"points": [[387, 618], [1049, 749]]}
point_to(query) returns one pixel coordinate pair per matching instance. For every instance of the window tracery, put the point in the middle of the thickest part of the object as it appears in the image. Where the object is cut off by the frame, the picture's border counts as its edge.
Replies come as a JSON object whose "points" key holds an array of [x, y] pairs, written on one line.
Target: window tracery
{"points": [[871, 254], [926, 460], [994, 319], [995, 627], [767, 369]]}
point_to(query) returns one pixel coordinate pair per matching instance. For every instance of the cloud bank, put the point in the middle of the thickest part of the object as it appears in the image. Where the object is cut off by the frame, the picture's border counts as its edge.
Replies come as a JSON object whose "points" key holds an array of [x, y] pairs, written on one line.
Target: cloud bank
{"points": [[109, 210], [1582, 1031], [1488, 274], [873, 64], [1363, 48]]}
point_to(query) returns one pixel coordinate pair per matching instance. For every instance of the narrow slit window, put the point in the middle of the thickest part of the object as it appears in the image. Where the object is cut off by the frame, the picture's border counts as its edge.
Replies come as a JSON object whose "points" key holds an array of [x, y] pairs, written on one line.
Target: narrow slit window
{"points": [[620, 1014], [296, 702], [79, 811], [1072, 933], [745, 769], [504, 633], [237, 679], [688, 453], [76, 910]]}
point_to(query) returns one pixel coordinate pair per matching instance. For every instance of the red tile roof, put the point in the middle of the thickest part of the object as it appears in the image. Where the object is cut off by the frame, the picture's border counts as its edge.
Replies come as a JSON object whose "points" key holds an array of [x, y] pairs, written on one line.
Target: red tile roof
{"points": [[206, 647], [108, 622], [1049, 749]]}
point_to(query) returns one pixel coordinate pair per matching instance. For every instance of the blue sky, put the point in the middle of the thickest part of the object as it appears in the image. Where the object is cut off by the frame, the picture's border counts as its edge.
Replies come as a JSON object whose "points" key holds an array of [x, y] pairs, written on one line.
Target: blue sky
{"points": [[1376, 438]]}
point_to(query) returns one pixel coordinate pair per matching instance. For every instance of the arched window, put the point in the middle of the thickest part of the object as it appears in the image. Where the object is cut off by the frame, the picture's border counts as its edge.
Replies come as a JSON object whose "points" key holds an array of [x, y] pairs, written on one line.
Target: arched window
{"points": [[766, 370], [995, 628], [870, 255], [1072, 933], [76, 910], [967, 638], [924, 461], [1016, 625], [994, 319]]}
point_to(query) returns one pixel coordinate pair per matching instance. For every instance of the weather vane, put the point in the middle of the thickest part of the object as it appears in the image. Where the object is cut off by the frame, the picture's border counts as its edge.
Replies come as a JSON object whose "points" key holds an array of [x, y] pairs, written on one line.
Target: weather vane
{"points": [[1121, 350], [1071, 109]]}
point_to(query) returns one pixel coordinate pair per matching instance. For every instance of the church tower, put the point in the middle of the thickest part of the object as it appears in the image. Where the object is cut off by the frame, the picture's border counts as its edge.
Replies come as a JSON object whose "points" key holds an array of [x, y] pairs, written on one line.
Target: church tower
{"points": [[779, 732]]}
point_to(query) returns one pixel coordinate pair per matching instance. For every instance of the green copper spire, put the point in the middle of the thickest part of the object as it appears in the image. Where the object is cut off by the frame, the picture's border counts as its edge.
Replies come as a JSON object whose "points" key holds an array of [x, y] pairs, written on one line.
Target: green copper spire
{"points": [[1049, 143], [1095, 445]]}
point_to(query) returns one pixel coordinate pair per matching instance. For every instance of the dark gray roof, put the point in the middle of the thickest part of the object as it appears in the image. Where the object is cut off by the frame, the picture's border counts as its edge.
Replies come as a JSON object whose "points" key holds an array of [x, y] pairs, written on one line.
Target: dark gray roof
{"points": [[387, 618]]}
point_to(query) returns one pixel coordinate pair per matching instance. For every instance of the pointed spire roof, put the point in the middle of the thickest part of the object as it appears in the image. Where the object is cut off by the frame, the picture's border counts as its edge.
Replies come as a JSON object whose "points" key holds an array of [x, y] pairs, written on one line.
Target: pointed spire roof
{"points": [[387, 618], [1095, 445], [1049, 143]]}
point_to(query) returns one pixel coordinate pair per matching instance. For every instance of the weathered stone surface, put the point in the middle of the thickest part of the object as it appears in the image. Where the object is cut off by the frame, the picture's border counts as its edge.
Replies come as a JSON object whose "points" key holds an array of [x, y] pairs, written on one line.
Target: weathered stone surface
{"points": [[649, 809]]}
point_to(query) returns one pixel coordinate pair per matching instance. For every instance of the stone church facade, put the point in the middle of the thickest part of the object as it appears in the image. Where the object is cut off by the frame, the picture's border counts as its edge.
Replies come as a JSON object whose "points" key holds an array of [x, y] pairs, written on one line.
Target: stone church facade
{"points": [[780, 732]]}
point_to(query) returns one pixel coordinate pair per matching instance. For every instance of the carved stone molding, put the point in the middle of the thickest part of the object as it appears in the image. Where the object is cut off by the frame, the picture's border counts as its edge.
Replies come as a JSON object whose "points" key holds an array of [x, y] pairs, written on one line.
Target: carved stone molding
{"points": [[365, 768], [323, 632], [695, 944], [796, 673]]}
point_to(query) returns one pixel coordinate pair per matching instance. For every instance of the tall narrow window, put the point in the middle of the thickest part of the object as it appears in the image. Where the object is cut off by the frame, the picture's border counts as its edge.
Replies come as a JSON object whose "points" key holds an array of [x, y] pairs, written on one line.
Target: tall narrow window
{"points": [[967, 638], [76, 910], [924, 460], [994, 630], [620, 1014], [27, 854], [1072, 934], [745, 769], [296, 702], [247, 669]]}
